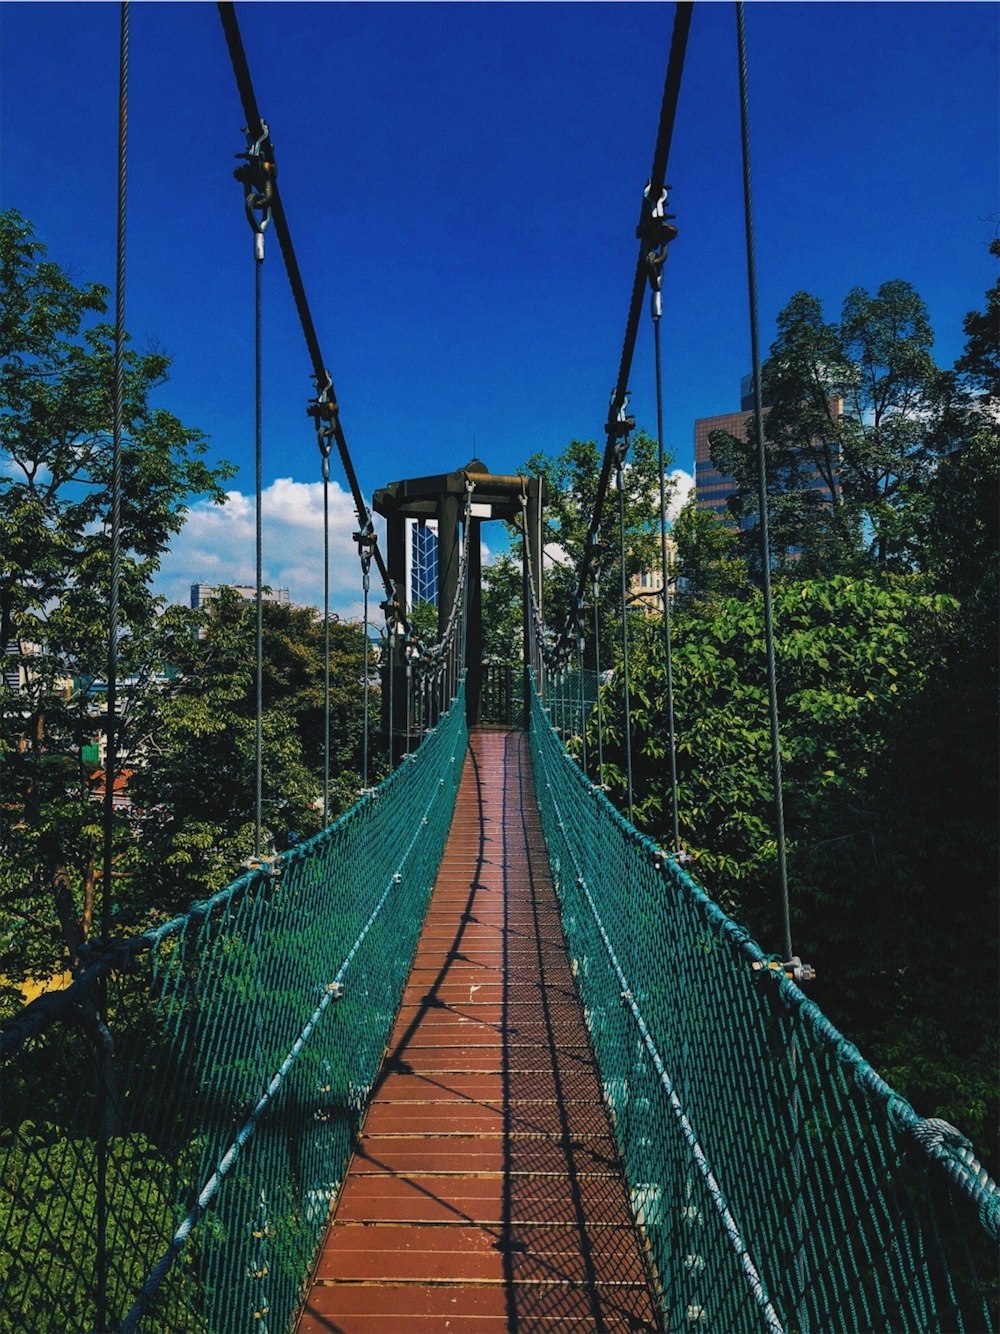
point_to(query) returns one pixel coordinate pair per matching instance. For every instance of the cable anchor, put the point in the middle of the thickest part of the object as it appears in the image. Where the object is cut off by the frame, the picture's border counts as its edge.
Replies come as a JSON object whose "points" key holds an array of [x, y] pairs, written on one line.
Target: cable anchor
{"points": [[366, 539], [618, 429], [655, 231], [257, 176], [325, 413]]}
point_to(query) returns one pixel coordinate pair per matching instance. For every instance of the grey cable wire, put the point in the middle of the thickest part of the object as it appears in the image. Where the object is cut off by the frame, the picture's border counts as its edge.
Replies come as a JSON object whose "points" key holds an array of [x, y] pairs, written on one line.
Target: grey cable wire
{"points": [[366, 584], [596, 575], [765, 540], [664, 574], [259, 489], [111, 746], [626, 684], [117, 409], [326, 643]]}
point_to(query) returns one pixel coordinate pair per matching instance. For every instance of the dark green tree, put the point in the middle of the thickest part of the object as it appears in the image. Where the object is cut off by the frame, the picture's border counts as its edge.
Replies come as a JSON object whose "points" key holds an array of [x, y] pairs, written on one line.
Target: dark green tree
{"points": [[571, 481], [197, 792], [708, 561], [850, 434], [56, 370]]}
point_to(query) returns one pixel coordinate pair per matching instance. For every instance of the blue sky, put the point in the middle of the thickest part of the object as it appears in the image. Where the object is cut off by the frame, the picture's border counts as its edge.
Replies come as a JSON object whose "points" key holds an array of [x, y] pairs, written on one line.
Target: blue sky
{"points": [[462, 183]]}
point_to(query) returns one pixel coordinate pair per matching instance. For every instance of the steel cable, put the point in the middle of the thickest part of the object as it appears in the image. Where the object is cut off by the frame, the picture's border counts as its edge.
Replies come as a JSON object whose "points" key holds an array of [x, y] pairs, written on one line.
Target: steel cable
{"points": [[626, 684], [665, 577], [657, 176], [324, 383], [326, 645], [111, 734], [765, 541]]}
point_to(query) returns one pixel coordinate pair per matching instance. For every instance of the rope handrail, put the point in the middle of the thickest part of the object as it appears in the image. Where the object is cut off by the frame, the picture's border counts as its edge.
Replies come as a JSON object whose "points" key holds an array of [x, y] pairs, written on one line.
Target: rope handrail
{"points": [[219, 1088], [858, 1212]]}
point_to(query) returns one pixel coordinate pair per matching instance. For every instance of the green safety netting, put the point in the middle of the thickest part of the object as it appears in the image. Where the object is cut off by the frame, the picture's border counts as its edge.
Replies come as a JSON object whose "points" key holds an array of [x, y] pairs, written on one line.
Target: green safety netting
{"points": [[215, 1109], [780, 1184]]}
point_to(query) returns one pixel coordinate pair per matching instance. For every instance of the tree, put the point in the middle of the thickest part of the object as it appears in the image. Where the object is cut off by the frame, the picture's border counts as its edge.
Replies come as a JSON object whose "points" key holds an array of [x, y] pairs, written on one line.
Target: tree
{"points": [[850, 435], [570, 482], [56, 358], [708, 562], [892, 841], [197, 790]]}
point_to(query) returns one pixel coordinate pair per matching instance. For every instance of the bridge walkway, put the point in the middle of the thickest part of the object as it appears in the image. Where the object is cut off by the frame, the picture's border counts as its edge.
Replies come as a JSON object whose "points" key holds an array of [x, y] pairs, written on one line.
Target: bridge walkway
{"points": [[485, 1193]]}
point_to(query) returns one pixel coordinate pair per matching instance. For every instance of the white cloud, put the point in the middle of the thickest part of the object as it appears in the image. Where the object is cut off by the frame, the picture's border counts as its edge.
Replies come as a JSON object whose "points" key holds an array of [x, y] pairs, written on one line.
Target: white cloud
{"points": [[218, 545], [682, 492]]}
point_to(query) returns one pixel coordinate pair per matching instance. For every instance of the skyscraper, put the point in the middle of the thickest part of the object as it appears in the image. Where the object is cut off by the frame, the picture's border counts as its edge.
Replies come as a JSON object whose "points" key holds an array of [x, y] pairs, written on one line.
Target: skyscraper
{"points": [[712, 487], [422, 561]]}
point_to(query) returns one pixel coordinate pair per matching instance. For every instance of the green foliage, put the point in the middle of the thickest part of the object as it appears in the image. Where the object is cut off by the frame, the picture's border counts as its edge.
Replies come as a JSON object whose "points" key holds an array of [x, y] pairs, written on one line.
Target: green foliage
{"points": [[850, 434], [708, 561], [571, 481], [56, 360], [197, 794], [888, 788], [53, 1210]]}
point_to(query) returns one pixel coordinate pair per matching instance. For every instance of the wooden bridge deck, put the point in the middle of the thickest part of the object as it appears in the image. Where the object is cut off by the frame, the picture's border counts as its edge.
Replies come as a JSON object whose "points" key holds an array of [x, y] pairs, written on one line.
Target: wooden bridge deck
{"points": [[484, 1193]]}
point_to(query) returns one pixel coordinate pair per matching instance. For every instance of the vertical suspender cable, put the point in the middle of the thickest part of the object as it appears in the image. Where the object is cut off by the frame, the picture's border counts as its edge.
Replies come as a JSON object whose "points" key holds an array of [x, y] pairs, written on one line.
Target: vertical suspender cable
{"points": [[366, 584], [118, 395], [582, 694], [626, 684], [765, 541], [257, 178], [111, 748], [326, 641], [259, 487], [596, 574], [665, 572]]}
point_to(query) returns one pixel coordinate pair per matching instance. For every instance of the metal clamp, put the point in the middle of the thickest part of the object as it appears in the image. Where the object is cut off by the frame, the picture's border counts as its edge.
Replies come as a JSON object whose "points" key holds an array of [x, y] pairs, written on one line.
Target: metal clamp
{"points": [[656, 231], [794, 969], [325, 412], [618, 428], [257, 176]]}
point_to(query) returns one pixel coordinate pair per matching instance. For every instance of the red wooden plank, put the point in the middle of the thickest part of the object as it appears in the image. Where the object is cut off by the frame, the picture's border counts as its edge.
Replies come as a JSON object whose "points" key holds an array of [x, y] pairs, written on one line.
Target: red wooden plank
{"points": [[485, 1192]]}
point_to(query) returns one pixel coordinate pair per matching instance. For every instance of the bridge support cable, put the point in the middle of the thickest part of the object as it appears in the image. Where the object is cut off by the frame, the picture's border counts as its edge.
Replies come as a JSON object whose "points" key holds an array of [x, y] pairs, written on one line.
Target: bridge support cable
{"points": [[595, 572], [366, 541], [326, 402], [762, 495], [626, 679], [654, 189], [114, 630], [659, 234], [256, 175]]}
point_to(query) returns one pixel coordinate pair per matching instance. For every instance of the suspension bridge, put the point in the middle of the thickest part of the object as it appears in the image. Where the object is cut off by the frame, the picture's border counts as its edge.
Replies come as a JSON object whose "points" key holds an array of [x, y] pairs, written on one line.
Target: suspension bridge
{"points": [[479, 1055]]}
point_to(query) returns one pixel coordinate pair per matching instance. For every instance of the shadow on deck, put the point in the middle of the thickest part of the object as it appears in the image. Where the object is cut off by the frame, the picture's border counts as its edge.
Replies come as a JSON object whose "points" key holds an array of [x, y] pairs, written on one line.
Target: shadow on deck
{"points": [[485, 1192]]}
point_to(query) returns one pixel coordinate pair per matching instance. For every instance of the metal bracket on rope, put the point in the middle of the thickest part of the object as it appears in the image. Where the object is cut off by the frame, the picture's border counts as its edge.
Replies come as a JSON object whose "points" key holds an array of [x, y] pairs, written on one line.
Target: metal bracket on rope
{"points": [[794, 969], [655, 231], [325, 411], [366, 540], [619, 427], [257, 176]]}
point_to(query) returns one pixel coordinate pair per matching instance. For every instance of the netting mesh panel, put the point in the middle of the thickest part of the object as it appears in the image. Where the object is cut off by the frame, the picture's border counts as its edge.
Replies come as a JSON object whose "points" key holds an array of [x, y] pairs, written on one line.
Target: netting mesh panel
{"points": [[221, 1098], [780, 1184]]}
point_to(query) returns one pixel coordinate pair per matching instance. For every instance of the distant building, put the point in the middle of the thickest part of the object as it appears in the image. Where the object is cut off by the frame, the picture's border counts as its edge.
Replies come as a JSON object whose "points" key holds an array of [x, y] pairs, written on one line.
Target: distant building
{"points": [[422, 561], [646, 588], [713, 487], [202, 594]]}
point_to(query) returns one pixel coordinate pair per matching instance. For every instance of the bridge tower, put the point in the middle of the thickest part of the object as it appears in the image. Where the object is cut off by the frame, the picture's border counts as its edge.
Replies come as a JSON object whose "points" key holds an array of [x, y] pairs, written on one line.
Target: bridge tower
{"points": [[442, 497]]}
